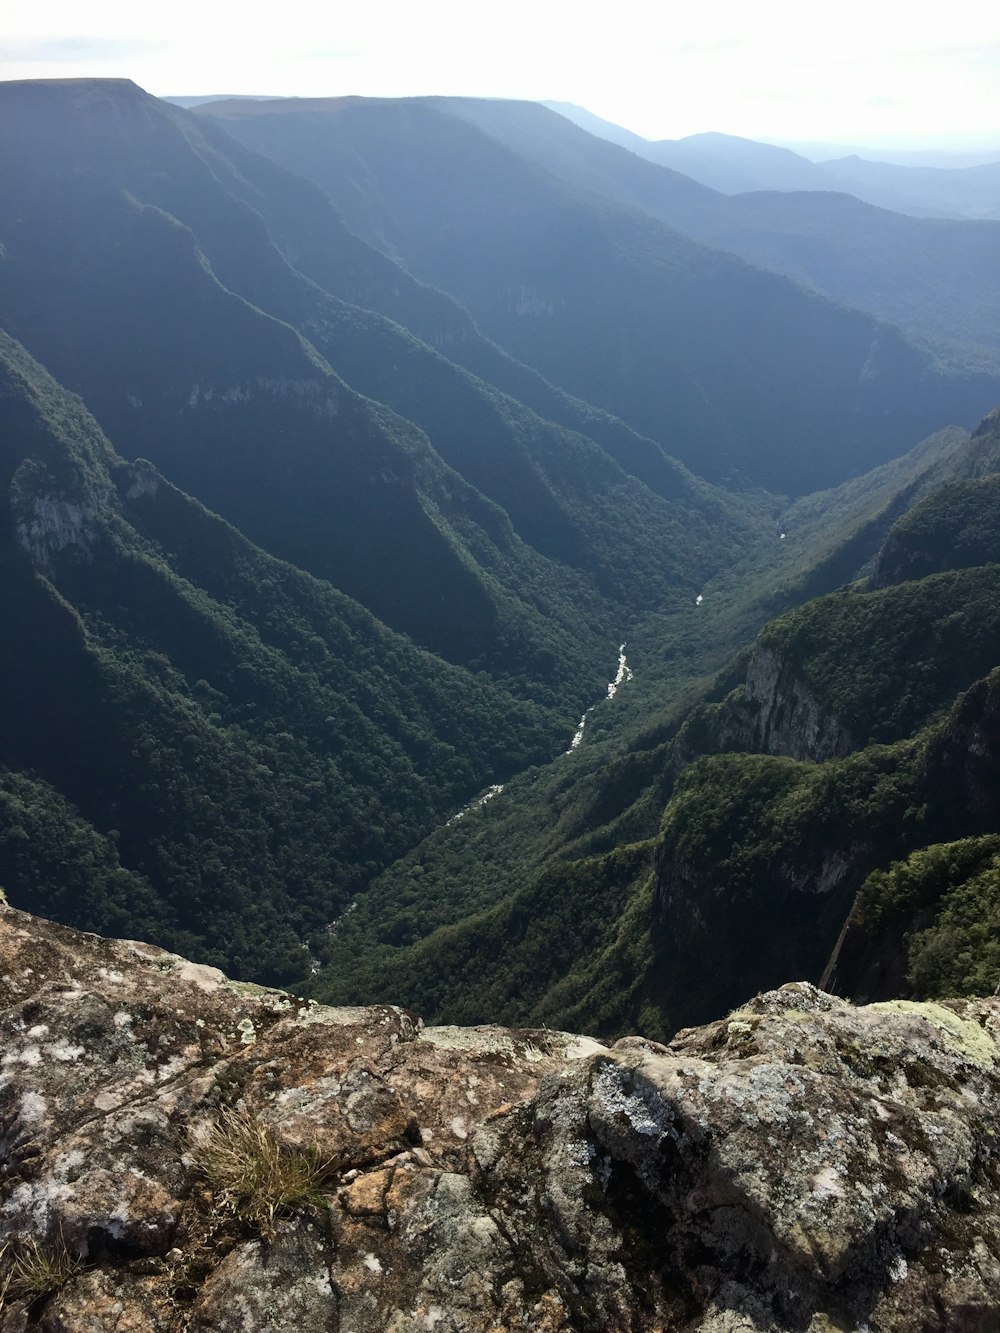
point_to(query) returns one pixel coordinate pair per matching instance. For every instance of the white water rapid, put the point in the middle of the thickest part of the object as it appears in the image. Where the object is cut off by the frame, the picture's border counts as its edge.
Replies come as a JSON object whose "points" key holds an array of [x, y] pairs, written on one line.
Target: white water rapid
{"points": [[624, 674], [481, 800]]}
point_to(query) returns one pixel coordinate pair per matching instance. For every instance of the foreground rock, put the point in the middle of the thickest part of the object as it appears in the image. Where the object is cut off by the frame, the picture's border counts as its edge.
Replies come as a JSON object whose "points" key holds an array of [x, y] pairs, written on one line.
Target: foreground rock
{"points": [[801, 1165]]}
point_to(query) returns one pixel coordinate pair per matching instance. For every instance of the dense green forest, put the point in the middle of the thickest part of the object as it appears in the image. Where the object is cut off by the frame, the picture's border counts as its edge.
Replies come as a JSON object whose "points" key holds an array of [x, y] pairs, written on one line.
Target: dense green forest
{"points": [[326, 500], [250, 744], [673, 847]]}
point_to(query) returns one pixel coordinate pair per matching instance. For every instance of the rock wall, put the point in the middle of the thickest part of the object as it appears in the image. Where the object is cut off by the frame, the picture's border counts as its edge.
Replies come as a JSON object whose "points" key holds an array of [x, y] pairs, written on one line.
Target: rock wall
{"points": [[800, 1165], [772, 712], [786, 716]]}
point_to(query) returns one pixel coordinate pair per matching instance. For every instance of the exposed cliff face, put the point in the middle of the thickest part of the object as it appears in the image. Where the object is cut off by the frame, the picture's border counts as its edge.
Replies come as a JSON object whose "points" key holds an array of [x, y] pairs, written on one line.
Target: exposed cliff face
{"points": [[773, 712], [59, 507], [799, 1165], [781, 715]]}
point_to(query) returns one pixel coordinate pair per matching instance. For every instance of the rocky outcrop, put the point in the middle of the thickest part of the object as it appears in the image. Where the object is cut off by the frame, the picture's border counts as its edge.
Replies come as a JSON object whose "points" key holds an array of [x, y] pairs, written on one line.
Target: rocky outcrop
{"points": [[48, 522], [786, 717], [139, 479], [773, 712], [55, 524], [800, 1165]]}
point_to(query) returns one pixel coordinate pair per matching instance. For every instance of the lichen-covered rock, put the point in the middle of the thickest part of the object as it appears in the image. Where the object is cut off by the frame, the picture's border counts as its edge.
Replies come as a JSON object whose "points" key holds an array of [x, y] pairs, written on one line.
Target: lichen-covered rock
{"points": [[800, 1165]]}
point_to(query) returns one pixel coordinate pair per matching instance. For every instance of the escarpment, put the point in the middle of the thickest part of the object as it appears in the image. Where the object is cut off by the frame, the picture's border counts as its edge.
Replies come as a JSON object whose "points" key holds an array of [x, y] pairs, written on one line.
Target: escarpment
{"points": [[761, 859], [787, 716], [773, 712], [184, 1152], [253, 691]]}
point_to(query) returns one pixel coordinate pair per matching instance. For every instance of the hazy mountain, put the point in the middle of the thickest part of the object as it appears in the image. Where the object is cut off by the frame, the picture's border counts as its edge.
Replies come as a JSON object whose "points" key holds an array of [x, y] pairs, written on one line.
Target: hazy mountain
{"points": [[313, 237], [188, 100], [925, 185], [938, 278], [602, 129], [734, 165], [730, 368], [969, 192], [963, 154]]}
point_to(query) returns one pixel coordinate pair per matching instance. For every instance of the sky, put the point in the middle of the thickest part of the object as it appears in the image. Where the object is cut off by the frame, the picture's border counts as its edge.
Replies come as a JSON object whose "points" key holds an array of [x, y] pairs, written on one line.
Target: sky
{"points": [[878, 72]]}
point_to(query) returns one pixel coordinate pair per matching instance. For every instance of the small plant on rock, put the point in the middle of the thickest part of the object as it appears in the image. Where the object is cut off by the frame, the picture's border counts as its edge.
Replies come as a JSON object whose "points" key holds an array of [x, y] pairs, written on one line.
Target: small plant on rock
{"points": [[30, 1270], [254, 1177]]}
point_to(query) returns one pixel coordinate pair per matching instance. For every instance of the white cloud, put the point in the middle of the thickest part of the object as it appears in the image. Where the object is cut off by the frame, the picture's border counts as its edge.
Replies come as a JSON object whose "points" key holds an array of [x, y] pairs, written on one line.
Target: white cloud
{"points": [[775, 68]]}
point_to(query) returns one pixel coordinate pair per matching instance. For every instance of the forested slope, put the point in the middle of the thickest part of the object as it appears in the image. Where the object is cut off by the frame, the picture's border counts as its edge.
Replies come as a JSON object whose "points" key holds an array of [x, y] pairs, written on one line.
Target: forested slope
{"points": [[139, 268], [218, 748], [218, 729], [727, 853]]}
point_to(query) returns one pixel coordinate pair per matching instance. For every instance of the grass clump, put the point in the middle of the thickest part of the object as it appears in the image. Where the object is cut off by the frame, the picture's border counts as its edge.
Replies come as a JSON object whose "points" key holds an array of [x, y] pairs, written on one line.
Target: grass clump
{"points": [[30, 1270], [253, 1176]]}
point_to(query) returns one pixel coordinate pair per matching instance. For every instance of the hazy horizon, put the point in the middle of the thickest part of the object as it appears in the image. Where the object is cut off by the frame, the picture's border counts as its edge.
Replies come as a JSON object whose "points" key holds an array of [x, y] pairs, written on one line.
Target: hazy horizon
{"points": [[884, 76]]}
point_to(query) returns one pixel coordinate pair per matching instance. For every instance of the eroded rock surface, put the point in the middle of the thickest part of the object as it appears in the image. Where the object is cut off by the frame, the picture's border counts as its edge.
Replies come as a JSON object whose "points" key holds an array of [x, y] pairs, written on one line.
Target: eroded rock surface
{"points": [[800, 1165]]}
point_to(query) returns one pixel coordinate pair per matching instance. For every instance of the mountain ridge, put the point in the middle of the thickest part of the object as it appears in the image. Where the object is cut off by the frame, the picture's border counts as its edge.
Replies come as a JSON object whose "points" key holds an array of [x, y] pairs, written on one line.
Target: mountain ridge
{"points": [[910, 271], [616, 274], [288, 696], [735, 164]]}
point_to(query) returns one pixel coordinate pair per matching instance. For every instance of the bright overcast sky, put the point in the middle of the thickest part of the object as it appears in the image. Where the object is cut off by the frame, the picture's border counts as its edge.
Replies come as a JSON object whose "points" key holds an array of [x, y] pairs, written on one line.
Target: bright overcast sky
{"points": [[873, 71]]}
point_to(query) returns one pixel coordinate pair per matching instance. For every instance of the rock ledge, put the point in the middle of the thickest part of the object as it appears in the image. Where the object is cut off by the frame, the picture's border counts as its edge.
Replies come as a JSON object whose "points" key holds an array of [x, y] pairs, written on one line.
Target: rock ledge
{"points": [[800, 1165]]}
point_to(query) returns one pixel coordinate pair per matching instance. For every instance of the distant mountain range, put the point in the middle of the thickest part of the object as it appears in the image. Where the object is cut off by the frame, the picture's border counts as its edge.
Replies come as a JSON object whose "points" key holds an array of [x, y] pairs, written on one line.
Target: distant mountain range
{"points": [[939, 279], [941, 187], [557, 244]]}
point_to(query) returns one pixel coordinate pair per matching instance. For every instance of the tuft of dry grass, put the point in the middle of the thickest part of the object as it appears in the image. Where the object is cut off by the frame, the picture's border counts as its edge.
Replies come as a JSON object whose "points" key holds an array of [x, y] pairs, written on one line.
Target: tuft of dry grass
{"points": [[253, 1176], [30, 1270]]}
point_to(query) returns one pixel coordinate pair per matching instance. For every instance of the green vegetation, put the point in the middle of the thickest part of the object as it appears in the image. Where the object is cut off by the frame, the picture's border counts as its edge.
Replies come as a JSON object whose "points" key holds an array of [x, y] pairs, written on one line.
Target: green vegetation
{"points": [[758, 857], [519, 962], [218, 730], [884, 662], [759, 860], [955, 527], [64, 868], [30, 1271], [254, 1177], [246, 745], [960, 953], [941, 907], [909, 887]]}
